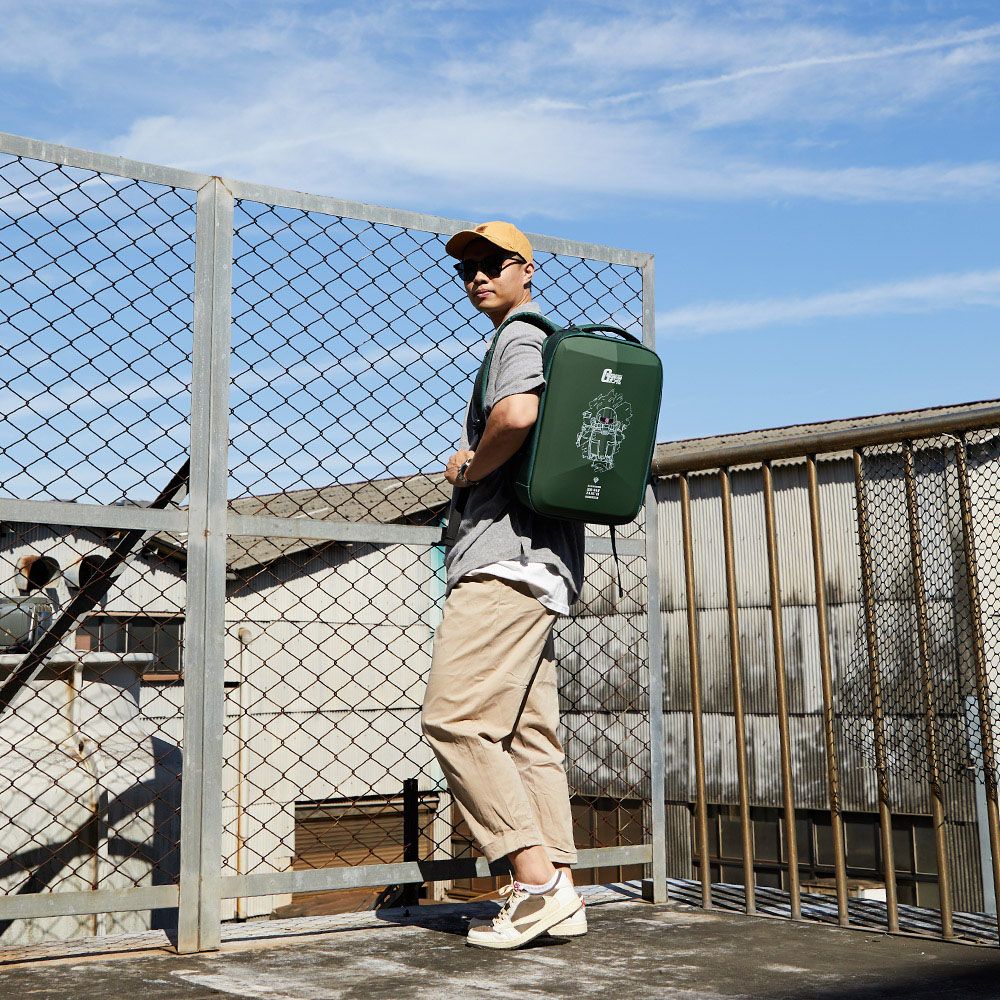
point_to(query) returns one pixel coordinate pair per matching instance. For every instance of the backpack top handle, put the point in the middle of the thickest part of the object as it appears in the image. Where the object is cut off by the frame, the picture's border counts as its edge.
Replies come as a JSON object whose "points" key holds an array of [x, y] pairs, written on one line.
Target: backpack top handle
{"points": [[604, 328]]}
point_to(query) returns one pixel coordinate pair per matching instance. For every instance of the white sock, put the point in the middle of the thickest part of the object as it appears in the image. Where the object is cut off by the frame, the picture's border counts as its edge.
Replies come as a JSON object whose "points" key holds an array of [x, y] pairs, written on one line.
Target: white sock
{"points": [[538, 889]]}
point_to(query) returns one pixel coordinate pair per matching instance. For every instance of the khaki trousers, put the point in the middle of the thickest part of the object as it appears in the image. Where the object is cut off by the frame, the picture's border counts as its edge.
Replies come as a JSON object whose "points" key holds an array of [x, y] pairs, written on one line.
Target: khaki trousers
{"points": [[491, 714]]}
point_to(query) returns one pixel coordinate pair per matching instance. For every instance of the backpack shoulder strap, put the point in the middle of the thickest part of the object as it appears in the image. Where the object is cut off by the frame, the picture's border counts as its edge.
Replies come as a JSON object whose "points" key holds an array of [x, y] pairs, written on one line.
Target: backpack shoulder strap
{"points": [[483, 376]]}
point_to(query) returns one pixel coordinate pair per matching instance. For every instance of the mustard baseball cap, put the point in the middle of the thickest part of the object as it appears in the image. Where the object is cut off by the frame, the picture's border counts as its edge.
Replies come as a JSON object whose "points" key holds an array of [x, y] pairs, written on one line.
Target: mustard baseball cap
{"points": [[502, 234]]}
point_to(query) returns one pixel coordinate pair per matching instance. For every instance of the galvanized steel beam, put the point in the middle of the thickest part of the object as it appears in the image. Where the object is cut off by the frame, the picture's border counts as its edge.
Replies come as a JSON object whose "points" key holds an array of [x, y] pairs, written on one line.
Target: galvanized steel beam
{"points": [[265, 526], [204, 658], [358, 876], [84, 159], [401, 219], [36, 149], [22, 906], [85, 515], [654, 627]]}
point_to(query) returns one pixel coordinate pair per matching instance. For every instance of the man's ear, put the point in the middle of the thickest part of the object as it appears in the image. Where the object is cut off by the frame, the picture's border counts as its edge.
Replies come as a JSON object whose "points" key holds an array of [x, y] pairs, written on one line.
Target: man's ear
{"points": [[529, 270]]}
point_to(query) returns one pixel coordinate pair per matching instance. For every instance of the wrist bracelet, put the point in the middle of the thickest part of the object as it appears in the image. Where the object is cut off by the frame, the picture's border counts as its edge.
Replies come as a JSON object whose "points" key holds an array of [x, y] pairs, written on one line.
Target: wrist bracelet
{"points": [[460, 477]]}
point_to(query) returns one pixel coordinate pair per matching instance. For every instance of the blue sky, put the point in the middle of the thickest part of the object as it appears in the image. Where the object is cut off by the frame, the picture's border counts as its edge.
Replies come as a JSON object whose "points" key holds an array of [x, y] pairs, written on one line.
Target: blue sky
{"points": [[820, 182]]}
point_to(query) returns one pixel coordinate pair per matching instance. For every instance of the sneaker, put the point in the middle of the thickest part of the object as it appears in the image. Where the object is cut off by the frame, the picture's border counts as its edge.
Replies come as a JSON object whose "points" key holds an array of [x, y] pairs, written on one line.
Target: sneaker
{"points": [[574, 926], [525, 915]]}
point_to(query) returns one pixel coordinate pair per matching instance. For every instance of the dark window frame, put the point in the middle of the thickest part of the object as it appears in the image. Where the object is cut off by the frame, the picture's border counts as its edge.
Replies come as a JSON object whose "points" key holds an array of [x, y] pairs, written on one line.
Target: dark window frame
{"points": [[722, 866], [101, 628]]}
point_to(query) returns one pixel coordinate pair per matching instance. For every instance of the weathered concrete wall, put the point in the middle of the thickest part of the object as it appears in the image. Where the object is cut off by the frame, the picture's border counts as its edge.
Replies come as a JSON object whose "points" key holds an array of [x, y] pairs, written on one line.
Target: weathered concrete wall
{"points": [[90, 794]]}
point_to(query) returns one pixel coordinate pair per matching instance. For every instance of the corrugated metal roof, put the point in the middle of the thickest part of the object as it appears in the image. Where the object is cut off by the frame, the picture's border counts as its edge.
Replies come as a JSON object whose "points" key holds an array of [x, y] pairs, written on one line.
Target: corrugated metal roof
{"points": [[418, 499], [421, 499], [672, 449], [409, 499]]}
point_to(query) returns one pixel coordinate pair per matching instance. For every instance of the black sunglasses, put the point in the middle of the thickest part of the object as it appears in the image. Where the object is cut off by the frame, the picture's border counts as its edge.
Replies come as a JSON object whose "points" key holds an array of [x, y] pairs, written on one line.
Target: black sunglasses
{"points": [[490, 266]]}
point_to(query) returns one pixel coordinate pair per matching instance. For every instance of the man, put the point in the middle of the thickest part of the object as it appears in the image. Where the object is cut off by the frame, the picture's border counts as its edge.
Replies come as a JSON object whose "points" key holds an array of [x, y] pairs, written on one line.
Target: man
{"points": [[491, 710]]}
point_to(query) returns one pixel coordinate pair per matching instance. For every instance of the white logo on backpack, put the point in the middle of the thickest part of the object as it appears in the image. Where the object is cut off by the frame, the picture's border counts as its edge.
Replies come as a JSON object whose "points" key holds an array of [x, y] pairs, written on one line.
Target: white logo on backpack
{"points": [[609, 376], [603, 430]]}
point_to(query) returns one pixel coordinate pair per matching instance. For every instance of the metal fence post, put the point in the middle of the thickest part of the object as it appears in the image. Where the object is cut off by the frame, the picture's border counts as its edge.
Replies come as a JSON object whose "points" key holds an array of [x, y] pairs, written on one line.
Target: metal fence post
{"points": [[199, 918], [739, 702], [657, 763], [790, 847]]}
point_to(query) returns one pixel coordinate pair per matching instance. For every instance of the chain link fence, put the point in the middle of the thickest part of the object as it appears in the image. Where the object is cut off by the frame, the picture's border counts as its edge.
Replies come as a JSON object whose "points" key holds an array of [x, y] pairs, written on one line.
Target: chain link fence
{"points": [[226, 412], [96, 280], [353, 356], [927, 636]]}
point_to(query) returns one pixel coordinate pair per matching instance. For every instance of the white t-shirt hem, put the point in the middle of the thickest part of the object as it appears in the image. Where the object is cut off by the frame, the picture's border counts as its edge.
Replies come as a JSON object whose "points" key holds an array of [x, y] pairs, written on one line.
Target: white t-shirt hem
{"points": [[545, 583]]}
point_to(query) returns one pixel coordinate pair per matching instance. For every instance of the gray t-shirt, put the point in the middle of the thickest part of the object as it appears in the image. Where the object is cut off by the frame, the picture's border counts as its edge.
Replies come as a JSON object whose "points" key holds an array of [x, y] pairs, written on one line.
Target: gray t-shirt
{"points": [[496, 525]]}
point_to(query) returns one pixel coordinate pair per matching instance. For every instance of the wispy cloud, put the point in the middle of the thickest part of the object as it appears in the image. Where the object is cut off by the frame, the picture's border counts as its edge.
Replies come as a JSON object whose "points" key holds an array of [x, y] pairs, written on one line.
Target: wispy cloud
{"points": [[724, 67], [842, 59], [438, 153], [390, 104], [928, 294], [882, 53]]}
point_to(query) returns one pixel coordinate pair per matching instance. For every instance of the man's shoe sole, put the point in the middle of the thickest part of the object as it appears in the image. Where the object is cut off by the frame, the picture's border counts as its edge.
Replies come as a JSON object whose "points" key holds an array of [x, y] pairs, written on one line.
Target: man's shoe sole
{"points": [[557, 917], [571, 926]]}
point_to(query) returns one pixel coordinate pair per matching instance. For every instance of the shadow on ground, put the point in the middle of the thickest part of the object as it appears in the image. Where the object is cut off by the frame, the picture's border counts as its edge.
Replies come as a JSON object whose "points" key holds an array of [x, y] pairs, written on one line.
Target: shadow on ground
{"points": [[634, 950]]}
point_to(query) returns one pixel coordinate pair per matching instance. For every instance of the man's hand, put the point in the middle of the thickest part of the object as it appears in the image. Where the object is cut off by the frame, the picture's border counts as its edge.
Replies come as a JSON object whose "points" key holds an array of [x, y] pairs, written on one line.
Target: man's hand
{"points": [[455, 463]]}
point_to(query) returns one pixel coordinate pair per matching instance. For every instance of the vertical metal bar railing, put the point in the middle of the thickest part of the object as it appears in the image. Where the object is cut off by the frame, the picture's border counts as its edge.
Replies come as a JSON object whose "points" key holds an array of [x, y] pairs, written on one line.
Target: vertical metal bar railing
{"points": [[736, 674], [864, 730], [698, 733], [979, 652], [927, 692], [878, 714], [657, 767], [829, 735], [199, 918], [791, 852]]}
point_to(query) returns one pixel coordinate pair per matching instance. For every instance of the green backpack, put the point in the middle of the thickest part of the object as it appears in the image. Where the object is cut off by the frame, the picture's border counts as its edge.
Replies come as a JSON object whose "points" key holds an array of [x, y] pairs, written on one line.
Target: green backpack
{"points": [[589, 453]]}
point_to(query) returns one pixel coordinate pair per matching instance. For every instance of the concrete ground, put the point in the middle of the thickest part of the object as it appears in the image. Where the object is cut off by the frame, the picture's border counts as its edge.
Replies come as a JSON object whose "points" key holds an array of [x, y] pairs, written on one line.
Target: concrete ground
{"points": [[634, 950]]}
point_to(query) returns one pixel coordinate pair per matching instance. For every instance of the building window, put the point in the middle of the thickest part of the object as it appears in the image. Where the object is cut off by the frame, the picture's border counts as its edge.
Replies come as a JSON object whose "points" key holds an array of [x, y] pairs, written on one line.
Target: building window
{"points": [[605, 822], [351, 832], [163, 637], [597, 822], [913, 848]]}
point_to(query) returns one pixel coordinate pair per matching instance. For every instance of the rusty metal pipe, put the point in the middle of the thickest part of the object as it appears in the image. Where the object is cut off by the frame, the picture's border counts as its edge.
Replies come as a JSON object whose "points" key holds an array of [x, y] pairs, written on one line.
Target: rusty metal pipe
{"points": [[736, 674], [979, 649], [829, 735], [781, 691], [878, 718], [694, 664], [927, 693]]}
